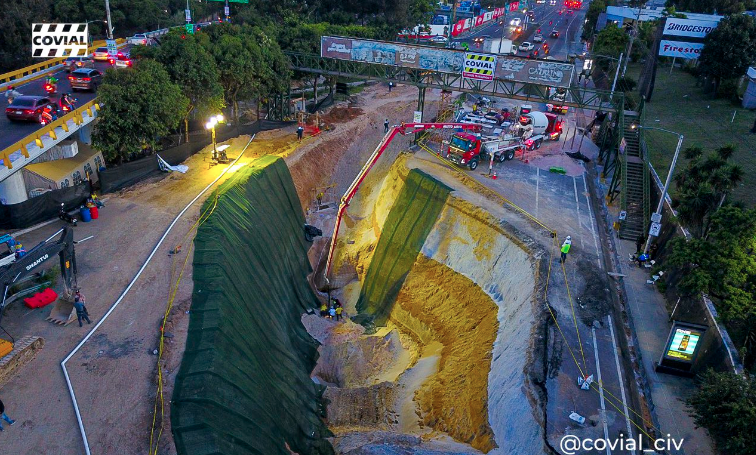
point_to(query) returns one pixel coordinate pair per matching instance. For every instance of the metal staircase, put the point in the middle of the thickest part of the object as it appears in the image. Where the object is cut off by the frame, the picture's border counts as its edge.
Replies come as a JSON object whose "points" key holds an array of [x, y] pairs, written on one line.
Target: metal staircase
{"points": [[635, 178]]}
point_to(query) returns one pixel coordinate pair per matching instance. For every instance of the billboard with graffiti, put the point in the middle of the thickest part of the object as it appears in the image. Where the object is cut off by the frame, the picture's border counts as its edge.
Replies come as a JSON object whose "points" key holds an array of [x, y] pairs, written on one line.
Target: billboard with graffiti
{"points": [[552, 73]]}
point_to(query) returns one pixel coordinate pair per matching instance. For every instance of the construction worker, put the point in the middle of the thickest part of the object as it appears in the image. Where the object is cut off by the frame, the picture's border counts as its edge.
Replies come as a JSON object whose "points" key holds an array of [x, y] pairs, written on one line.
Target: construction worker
{"points": [[385, 126], [391, 85], [339, 309], [639, 243], [300, 133], [319, 197], [5, 416], [81, 310], [332, 312], [566, 248], [323, 310]]}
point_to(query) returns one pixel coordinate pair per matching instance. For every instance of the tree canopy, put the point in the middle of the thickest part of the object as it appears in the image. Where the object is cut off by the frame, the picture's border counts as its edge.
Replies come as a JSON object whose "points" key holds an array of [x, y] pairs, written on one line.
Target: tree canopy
{"points": [[712, 6], [140, 105], [730, 48], [725, 405]]}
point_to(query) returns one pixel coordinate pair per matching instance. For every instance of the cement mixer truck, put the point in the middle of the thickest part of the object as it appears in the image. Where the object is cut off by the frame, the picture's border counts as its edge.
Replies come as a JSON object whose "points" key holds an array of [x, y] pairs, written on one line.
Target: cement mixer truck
{"points": [[468, 149], [536, 127]]}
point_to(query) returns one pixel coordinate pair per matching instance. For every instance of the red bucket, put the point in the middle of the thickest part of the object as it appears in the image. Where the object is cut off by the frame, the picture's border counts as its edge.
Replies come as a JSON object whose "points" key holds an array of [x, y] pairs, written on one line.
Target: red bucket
{"points": [[94, 212]]}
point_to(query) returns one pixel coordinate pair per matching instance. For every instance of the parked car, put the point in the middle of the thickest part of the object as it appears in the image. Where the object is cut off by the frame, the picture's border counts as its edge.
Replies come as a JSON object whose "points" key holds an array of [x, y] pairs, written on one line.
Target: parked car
{"points": [[439, 39], [85, 79], [526, 47], [100, 54], [29, 108], [73, 63], [554, 34], [140, 39], [538, 38]]}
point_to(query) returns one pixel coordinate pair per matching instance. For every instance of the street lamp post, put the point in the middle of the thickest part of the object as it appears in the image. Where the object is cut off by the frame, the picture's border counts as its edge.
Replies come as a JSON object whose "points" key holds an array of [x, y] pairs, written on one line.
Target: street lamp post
{"points": [[619, 65], [660, 206], [210, 125], [89, 38]]}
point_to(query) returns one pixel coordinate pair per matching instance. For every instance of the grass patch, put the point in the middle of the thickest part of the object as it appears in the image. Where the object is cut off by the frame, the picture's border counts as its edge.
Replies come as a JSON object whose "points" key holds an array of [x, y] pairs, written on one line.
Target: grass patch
{"points": [[678, 105]]}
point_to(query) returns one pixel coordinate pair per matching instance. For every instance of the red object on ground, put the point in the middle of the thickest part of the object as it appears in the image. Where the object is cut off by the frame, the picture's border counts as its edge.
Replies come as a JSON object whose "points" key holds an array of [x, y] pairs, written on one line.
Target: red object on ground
{"points": [[41, 299], [94, 212]]}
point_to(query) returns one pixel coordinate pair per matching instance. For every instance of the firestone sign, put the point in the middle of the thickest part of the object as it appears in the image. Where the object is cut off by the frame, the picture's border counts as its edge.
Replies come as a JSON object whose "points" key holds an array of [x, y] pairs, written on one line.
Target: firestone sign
{"points": [[680, 49]]}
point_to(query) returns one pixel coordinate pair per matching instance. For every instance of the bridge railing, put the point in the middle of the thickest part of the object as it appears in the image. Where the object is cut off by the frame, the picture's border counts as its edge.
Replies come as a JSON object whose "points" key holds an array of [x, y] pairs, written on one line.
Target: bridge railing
{"points": [[41, 68], [579, 97], [42, 139]]}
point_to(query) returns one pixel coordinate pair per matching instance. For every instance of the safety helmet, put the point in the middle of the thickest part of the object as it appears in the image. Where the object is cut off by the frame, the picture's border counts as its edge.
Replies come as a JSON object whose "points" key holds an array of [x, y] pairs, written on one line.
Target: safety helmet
{"points": [[10, 87], [569, 238]]}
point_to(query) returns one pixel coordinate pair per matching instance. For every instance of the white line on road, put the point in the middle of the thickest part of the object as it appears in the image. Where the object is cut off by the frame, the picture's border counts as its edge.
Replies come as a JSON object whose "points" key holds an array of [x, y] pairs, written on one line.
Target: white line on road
{"points": [[621, 382], [592, 220], [577, 209], [601, 391]]}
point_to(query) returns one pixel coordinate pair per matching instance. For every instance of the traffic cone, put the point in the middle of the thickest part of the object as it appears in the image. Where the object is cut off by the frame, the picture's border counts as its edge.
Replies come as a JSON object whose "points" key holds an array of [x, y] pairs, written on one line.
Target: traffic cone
{"points": [[494, 175]]}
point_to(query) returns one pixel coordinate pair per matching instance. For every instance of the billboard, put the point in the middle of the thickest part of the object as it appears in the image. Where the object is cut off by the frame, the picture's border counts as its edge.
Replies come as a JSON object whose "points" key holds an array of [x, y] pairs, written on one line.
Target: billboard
{"points": [[680, 49], [482, 66], [682, 344], [535, 71], [688, 28]]}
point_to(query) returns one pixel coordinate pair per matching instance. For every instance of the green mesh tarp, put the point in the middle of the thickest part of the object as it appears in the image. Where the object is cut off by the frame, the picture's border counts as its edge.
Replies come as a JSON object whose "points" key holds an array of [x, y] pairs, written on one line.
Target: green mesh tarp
{"points": [[244, 384], [407, 226]]}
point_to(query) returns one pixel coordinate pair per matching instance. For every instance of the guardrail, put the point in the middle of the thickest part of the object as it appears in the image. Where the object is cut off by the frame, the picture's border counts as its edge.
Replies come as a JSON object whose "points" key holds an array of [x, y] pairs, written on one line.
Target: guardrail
{"points": [[77, 117], [23, 73]]}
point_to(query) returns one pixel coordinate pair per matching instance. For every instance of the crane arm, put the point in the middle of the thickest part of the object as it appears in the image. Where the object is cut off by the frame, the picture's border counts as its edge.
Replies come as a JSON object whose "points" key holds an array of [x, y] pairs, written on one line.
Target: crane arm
{"points": [[403, 129], [39, 255]]}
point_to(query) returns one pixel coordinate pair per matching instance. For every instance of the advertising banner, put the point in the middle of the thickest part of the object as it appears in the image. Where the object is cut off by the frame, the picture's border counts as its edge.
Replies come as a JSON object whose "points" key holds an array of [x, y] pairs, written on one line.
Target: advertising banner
{"points": [[473, 65], [458, 28], [682, 344], [680, 49], [487, 16], [479, 66], [688, 28], [478, 20], [514, 6], [536, 71]]}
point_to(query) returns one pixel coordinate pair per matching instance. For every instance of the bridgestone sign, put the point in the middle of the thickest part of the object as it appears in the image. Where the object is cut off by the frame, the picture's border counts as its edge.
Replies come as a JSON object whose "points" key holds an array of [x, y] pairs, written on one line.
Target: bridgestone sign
{"points": [[688, 28]]}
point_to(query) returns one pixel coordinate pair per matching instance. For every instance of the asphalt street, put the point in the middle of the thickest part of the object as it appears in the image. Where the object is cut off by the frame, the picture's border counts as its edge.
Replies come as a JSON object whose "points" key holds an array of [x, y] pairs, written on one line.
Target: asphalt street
{"points": [[13, 131]]}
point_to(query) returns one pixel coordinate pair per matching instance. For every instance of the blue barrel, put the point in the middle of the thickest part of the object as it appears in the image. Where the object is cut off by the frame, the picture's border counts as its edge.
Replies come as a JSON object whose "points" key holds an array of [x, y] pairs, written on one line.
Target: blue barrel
{"points": [[86, 215]]}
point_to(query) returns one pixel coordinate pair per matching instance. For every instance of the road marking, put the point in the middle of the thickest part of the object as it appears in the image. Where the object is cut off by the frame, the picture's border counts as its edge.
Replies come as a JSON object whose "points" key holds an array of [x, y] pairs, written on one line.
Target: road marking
{"points": [[592, 220], [601, 391], [621, 382], [538, 181], [577, 209]]}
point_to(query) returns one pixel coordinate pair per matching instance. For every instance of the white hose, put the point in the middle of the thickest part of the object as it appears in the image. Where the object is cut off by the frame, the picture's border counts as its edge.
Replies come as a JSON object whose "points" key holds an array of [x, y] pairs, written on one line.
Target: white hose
{"points": [[120, 298]]}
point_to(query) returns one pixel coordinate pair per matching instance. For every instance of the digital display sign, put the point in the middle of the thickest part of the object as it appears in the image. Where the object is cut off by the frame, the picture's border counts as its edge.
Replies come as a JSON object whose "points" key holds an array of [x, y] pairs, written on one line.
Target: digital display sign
{"points": [[683, 344]]}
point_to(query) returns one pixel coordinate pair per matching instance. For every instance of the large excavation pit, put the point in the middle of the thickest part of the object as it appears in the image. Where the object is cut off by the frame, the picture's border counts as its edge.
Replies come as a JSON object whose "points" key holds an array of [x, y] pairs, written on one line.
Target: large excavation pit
{"points": [[441, 351]]}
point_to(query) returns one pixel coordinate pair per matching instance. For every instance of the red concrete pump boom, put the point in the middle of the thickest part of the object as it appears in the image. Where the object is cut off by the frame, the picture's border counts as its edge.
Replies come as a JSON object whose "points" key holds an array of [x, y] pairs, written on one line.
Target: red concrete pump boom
{"points": [[403, 129]]}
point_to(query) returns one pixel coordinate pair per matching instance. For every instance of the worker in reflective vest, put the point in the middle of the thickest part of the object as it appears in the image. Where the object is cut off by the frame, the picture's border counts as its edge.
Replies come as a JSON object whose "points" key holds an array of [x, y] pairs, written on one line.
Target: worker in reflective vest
{"points": [[566, 248]]}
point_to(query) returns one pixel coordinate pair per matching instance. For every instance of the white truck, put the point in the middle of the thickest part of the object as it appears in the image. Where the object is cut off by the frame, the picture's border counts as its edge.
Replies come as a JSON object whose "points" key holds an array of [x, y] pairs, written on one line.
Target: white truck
{"points": [[500, 46]]}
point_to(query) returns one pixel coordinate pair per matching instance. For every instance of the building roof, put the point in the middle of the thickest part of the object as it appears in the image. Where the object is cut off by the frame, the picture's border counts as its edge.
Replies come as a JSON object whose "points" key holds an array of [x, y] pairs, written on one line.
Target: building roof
{"points": [[61, 169], [649, 14]]}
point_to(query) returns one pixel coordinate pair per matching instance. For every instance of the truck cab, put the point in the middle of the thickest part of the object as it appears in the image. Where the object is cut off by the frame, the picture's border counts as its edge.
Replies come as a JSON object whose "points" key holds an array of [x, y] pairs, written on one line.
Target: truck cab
{"points": [[464, 149]]}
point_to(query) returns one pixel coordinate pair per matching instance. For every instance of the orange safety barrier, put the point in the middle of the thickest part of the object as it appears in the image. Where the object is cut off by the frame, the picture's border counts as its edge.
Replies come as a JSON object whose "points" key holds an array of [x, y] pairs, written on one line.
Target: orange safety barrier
{"points": [[40, 67]]}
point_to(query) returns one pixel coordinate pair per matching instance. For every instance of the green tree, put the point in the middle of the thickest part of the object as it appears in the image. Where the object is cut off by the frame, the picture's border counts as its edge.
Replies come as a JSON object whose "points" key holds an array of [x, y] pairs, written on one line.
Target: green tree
{"points": [[193, 68], [140, 106], [704, 185], [711, 6], [722, 265], [729, 49], [595, 8], [15, 31], [610, 41], [725, 405]]}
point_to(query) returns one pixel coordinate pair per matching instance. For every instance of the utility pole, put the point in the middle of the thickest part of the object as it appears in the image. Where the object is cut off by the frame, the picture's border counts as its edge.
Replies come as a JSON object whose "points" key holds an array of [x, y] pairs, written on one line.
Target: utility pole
{"points": [[110, 23], [504, 27], [632, 38], [616, 73]]}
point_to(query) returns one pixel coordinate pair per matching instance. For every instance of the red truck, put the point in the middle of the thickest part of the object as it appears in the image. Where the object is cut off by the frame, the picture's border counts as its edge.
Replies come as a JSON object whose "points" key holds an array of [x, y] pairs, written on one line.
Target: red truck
{"points": [[470, 149]]}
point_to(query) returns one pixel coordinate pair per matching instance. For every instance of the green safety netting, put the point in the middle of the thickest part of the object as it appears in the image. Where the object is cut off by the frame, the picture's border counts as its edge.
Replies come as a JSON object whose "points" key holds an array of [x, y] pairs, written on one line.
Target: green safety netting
{"points": [[407, 226], [244, 384]]}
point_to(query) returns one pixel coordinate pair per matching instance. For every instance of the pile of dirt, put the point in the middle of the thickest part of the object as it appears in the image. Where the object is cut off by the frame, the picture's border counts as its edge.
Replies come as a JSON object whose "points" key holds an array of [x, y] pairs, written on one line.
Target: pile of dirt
{"points": [[341, 114], [462, 317]]}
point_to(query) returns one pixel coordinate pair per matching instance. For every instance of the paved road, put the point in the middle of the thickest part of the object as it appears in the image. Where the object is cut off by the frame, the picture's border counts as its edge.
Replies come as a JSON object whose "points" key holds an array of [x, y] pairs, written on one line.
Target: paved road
{"points": [[11, 132], [547, 18]]}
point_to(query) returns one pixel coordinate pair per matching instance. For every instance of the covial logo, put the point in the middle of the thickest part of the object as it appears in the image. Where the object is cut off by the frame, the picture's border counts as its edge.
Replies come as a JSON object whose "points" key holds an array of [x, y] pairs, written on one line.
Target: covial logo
{"points": [[59, 40]]}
